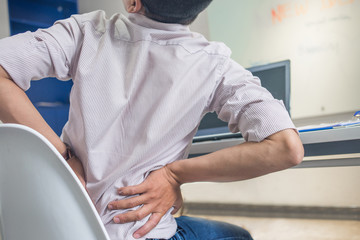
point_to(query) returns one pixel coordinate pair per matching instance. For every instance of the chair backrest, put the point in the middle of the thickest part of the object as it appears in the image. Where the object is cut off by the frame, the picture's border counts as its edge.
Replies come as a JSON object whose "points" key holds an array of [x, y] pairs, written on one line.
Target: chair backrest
{"points": [[40, 197]]}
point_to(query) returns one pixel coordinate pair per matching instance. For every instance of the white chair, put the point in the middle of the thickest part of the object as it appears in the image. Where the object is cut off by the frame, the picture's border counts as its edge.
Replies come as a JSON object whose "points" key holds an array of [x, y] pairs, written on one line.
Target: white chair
{"points": [[40, 196]]}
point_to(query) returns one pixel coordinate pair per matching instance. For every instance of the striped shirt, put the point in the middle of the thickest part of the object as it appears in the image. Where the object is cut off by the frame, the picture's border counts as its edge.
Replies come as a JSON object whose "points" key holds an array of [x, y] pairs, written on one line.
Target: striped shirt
{"points": [[140, 90]]}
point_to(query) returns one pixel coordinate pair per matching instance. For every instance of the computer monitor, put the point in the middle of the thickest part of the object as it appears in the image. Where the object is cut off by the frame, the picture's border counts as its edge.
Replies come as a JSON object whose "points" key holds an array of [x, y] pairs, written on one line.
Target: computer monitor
{"points": [[275, 77]]}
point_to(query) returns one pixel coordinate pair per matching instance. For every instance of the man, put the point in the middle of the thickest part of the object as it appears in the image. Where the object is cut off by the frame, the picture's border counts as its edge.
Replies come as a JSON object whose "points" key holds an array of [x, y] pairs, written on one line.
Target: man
{"points": [[141, 87]]}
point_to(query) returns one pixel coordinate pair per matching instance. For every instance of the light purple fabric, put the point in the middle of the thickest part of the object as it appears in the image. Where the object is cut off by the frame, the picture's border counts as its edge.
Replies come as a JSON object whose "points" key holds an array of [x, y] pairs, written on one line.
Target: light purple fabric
{"points": [[140, 89]]}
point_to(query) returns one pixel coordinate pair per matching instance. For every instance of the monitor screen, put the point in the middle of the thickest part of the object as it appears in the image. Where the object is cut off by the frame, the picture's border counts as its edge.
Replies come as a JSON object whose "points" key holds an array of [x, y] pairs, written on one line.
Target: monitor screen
{"points": [[275, 77]]}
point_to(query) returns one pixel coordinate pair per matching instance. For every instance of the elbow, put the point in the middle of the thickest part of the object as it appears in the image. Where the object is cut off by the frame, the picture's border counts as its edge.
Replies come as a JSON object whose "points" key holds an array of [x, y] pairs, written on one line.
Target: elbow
{"points": [[296, 155], [293, 151], [289, 148]]}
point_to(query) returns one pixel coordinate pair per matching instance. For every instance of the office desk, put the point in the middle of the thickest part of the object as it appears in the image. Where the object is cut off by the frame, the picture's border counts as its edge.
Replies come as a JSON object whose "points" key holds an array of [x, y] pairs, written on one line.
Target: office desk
{"points": [[323, 148]]}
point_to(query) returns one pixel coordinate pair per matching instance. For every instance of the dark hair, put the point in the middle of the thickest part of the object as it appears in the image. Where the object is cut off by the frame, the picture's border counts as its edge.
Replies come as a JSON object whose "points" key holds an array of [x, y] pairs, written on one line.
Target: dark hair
{"points": [[174, 11]]}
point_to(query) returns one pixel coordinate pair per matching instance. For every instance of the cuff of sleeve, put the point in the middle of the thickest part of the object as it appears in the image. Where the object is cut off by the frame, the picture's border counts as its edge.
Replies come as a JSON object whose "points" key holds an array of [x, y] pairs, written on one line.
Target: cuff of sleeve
{"points": [[264, 119], [13, 58]]}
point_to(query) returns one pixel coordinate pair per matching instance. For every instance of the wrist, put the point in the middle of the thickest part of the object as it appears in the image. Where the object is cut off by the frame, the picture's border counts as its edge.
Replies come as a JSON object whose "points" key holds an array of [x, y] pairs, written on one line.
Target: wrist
{"points": [[68, 153], [78, 169], [172, 170]]}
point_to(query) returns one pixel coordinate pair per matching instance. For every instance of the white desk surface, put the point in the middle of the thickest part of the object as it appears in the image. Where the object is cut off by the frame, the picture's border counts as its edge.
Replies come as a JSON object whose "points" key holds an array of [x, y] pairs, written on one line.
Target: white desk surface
{"points": [[321, 136]]}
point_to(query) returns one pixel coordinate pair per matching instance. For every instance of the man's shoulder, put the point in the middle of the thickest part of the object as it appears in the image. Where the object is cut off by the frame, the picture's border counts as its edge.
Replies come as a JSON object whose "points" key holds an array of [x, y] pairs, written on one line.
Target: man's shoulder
{"points": [[98, 20], [218, 48], [197, 42]]}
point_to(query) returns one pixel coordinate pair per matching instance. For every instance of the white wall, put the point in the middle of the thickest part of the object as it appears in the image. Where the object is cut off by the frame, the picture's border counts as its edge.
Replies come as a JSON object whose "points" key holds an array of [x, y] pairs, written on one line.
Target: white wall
{"points": [[324, 187], [320, 37], [201, 24], [4, 19], [109, 6]]}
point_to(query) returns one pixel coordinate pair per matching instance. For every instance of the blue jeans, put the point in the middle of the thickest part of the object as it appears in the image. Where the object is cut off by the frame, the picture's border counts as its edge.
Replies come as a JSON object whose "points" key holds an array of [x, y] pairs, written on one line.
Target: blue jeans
{"points": [[190, 228]]}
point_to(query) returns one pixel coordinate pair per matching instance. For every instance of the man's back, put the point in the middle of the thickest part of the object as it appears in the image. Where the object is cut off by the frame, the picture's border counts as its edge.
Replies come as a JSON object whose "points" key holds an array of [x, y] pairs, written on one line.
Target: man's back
{"points": [[140, 90]]}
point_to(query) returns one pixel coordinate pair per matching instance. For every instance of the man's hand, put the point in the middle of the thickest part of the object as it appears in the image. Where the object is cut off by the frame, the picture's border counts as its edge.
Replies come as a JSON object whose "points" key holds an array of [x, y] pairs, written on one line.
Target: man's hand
{"points": [[157, 194]]}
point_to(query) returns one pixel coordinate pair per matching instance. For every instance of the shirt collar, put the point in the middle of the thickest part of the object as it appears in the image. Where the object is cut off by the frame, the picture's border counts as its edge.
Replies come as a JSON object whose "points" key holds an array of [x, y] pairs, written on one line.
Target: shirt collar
{"points": [[146, 22]]}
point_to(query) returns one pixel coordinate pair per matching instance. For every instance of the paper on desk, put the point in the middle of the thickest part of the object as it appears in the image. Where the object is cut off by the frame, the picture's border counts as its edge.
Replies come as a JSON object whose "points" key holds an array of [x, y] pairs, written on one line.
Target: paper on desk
{"points": [[325, 126]]}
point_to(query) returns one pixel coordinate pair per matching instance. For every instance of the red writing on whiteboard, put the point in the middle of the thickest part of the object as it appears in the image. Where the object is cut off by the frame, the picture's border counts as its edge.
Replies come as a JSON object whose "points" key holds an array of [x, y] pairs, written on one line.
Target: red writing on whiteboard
{"points": [[333, 3], [301, 8]]}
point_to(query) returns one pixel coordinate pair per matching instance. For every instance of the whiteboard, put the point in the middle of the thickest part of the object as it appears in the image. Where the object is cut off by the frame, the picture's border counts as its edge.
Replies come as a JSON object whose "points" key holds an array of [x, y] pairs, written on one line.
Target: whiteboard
{"points": [[320, 37]]}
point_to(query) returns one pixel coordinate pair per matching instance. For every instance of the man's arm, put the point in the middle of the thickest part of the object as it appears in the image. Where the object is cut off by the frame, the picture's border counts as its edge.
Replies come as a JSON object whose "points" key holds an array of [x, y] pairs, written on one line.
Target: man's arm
{"points": [[160, 191], [16, 107], [248, 160]]}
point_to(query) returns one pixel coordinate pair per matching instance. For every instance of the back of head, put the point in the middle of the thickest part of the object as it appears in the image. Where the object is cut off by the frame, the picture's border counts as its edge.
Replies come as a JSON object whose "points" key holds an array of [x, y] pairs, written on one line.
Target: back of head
{"points": [[174, 11]]}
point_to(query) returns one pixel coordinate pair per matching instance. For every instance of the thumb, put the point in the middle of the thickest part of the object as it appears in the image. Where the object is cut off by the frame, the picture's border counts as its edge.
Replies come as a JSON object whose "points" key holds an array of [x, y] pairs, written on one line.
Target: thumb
{"points": [[177, 206]]}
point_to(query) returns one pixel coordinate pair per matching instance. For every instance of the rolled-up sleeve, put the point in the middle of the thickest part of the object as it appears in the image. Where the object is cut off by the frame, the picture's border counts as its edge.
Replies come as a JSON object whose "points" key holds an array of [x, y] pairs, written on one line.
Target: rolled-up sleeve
{"points": [[240, 100], [43, 53]]}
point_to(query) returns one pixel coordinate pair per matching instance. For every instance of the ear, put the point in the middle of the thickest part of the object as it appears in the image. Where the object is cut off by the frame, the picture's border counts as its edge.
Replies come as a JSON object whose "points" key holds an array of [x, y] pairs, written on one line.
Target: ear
{"points": [[134, 6]]}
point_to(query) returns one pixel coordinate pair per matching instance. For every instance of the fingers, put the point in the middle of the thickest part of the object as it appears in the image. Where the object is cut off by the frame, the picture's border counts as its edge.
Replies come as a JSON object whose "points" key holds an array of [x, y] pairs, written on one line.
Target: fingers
{"points": [[148, 226], [132, 190], [132, 216], [127, 203], [130, 202]]}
